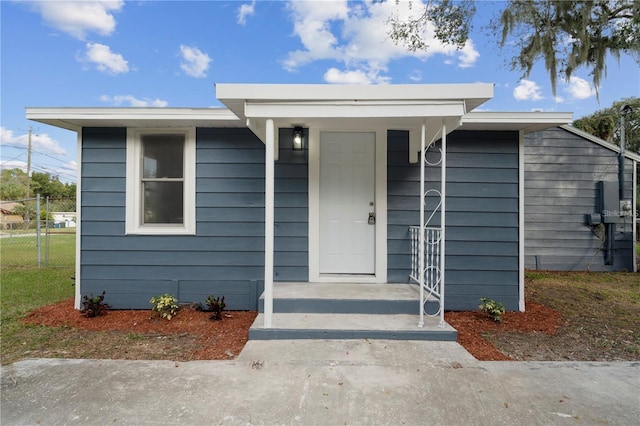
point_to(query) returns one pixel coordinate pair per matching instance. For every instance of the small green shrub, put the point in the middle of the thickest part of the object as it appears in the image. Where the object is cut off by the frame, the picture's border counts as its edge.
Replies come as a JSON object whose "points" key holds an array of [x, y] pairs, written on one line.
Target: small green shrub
{"points": [[492, 308], [165, 305], [216, 305], [93, 306]]}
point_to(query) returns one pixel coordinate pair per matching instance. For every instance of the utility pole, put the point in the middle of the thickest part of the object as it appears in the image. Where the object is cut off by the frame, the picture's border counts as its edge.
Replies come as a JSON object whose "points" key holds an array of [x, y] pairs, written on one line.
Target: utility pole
{"points": [[29, 166]]}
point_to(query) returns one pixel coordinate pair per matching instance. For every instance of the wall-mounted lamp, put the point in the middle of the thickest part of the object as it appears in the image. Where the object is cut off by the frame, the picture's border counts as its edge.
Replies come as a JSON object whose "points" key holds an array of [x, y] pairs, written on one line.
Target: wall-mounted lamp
{"points": [[298, 138]]}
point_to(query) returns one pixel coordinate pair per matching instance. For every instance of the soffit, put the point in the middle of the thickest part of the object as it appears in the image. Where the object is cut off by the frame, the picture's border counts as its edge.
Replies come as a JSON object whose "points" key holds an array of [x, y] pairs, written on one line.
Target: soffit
{"points": [[76, 118], [504, 121]]}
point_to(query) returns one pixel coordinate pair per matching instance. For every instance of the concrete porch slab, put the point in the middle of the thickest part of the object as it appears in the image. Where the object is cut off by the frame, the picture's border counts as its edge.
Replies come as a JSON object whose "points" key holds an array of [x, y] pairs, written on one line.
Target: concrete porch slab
{"points": [[350, 326], [345, 298], [297, 290]]}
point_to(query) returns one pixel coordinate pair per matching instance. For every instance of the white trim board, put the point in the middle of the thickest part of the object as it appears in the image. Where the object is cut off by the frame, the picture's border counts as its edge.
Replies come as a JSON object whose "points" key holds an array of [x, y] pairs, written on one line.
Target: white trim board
{"points": [[521, 221], [78, 277]]}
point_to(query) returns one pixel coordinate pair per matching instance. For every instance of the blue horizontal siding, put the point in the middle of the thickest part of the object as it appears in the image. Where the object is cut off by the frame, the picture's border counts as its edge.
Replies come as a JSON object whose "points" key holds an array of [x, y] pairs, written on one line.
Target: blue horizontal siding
{"points": [[291, 245], [482, 215], [225, 257]]}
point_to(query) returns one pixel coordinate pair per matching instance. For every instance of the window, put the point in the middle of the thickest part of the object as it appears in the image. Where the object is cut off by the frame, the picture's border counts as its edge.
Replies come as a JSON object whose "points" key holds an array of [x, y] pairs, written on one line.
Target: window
{"points": [[160, 181]]}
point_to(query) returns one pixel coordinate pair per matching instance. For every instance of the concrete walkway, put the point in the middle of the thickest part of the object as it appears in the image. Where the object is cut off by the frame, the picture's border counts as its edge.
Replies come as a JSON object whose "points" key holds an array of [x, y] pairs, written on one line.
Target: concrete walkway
{"points": [[302, 382]]}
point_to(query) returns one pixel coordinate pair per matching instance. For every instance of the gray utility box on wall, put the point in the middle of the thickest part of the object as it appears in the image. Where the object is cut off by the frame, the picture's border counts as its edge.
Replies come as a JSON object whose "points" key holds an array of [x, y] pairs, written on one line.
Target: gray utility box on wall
{"points": [[609, 202]]}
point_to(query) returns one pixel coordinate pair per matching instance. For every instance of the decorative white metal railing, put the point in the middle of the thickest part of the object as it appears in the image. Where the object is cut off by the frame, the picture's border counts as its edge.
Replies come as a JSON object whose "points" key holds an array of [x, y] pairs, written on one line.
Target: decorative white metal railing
{"points": [[428, 241], [431, 269]]}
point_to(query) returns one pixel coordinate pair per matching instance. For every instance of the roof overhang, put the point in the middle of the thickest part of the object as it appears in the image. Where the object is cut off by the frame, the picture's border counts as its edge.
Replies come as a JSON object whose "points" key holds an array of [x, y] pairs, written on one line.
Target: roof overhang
{"points": [[503, 121], [628, 154], [77, 118], [399, 107]]}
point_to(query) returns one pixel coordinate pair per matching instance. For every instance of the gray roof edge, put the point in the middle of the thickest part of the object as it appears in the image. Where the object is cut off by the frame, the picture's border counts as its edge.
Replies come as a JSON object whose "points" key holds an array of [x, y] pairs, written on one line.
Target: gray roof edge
{"points": [[628, 154]]}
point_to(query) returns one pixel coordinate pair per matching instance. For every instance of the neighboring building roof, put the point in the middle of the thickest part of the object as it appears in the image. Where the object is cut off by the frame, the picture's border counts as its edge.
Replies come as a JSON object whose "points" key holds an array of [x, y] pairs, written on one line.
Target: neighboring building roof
{"points": [[8, 206], [628, 154]]}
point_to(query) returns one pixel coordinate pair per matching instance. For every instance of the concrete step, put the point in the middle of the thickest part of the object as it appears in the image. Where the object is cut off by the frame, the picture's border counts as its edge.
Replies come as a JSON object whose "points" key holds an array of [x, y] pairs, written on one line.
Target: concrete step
{"points": [[350, 326], [345, 298]]}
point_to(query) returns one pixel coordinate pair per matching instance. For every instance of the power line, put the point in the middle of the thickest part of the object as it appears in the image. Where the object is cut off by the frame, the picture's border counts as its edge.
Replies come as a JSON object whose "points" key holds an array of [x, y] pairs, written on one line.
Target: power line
{"points": [[37, 152], [14, 158]]}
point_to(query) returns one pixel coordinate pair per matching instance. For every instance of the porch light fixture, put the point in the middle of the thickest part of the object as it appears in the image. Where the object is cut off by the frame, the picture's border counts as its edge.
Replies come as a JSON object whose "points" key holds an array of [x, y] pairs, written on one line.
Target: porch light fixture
{"points": [[298, 138]]}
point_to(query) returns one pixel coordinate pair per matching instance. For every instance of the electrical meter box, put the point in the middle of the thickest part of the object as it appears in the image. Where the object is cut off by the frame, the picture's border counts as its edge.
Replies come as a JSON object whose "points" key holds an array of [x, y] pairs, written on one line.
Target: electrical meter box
{"points": [[609, 202]]}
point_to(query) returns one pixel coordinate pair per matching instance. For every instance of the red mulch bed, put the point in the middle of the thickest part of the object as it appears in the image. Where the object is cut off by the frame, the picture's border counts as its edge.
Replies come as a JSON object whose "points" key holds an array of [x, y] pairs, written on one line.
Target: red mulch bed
{"points": [[472, 325], [218, 339]]}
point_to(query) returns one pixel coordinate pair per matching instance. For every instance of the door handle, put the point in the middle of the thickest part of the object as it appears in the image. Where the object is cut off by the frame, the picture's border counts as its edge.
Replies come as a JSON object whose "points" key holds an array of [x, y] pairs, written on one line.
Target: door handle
{"points": [[372, 218]]}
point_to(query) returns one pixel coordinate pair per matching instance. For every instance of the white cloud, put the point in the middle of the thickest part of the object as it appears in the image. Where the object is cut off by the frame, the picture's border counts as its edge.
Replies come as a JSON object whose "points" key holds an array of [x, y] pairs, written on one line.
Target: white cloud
{"points": [[13, 164], [579, 88], [334, 75], [132, 101], [104, 59], [194, 62], [355, 34], [527, 90], [468, 55], [41, 143], [246, 10], [416, 75], [77, 18]]}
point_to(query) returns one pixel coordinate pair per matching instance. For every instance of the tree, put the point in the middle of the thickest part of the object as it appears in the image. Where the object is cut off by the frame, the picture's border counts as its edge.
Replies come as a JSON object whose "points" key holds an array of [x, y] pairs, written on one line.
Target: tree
{"points": [[565, 34], [47, 185], [13, 184], [451, 21], [605, 123]]}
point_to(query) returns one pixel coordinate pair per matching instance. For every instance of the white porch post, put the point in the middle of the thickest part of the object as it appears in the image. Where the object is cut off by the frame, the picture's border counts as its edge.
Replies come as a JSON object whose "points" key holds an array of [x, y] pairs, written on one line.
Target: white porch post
{"points": [[421, 158], [269, 177], [443, 210]]}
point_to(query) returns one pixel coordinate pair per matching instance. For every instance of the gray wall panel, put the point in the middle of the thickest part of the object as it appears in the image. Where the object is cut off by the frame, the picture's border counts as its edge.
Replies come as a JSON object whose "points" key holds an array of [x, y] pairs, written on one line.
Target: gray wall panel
{"points": [[561, 174]]}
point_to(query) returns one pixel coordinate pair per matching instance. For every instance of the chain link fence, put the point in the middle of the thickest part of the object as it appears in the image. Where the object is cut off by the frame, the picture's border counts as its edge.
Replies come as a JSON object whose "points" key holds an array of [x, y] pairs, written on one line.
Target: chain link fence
{"points": [[47, 239]]}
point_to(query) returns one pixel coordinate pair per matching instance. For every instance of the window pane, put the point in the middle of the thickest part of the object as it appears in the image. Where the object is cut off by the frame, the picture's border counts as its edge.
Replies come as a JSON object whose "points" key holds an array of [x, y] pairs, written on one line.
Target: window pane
{"points": [[163, 155], [163, 202]]}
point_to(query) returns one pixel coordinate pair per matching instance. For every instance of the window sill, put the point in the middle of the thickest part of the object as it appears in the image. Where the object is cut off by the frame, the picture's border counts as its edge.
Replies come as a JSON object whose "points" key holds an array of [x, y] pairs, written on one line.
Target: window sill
{"points": [[161, 230]]}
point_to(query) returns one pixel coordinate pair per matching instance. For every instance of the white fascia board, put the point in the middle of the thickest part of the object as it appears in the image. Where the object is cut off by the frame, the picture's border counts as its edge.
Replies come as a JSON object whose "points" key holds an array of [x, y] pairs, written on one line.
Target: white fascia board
{"points": [[526, 121], [628, 154], [76, 118], [354, 109], [234, 96], [351, 92]]}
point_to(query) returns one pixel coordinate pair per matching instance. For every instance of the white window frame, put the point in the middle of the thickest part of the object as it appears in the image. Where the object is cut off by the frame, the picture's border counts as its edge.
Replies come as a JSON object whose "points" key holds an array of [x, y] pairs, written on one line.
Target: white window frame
{"points": [[134, 223]]}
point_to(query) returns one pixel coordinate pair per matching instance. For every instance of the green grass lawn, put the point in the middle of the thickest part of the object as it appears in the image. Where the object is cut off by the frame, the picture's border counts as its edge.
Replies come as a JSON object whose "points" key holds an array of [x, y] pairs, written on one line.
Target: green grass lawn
{"points": [[22, 250], [23, 290]]}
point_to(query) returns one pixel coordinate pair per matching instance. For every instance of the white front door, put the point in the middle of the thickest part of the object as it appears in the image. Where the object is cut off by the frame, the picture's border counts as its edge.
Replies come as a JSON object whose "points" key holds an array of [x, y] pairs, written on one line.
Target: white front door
{"points": [[347, 197]]}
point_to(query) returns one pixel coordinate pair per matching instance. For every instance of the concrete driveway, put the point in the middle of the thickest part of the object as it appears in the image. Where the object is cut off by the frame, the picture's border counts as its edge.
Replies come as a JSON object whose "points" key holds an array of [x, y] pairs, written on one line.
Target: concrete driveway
{"points": [[302, 382]]}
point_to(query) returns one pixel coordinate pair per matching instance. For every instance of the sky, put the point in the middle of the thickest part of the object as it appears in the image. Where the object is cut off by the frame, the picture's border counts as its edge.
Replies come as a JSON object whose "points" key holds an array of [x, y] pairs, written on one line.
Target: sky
{"points": [[154, 53]]}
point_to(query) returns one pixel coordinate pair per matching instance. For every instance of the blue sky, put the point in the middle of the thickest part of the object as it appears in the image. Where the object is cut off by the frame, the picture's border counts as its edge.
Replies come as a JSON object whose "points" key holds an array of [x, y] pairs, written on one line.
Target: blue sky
{"points": [[171, 54]]}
